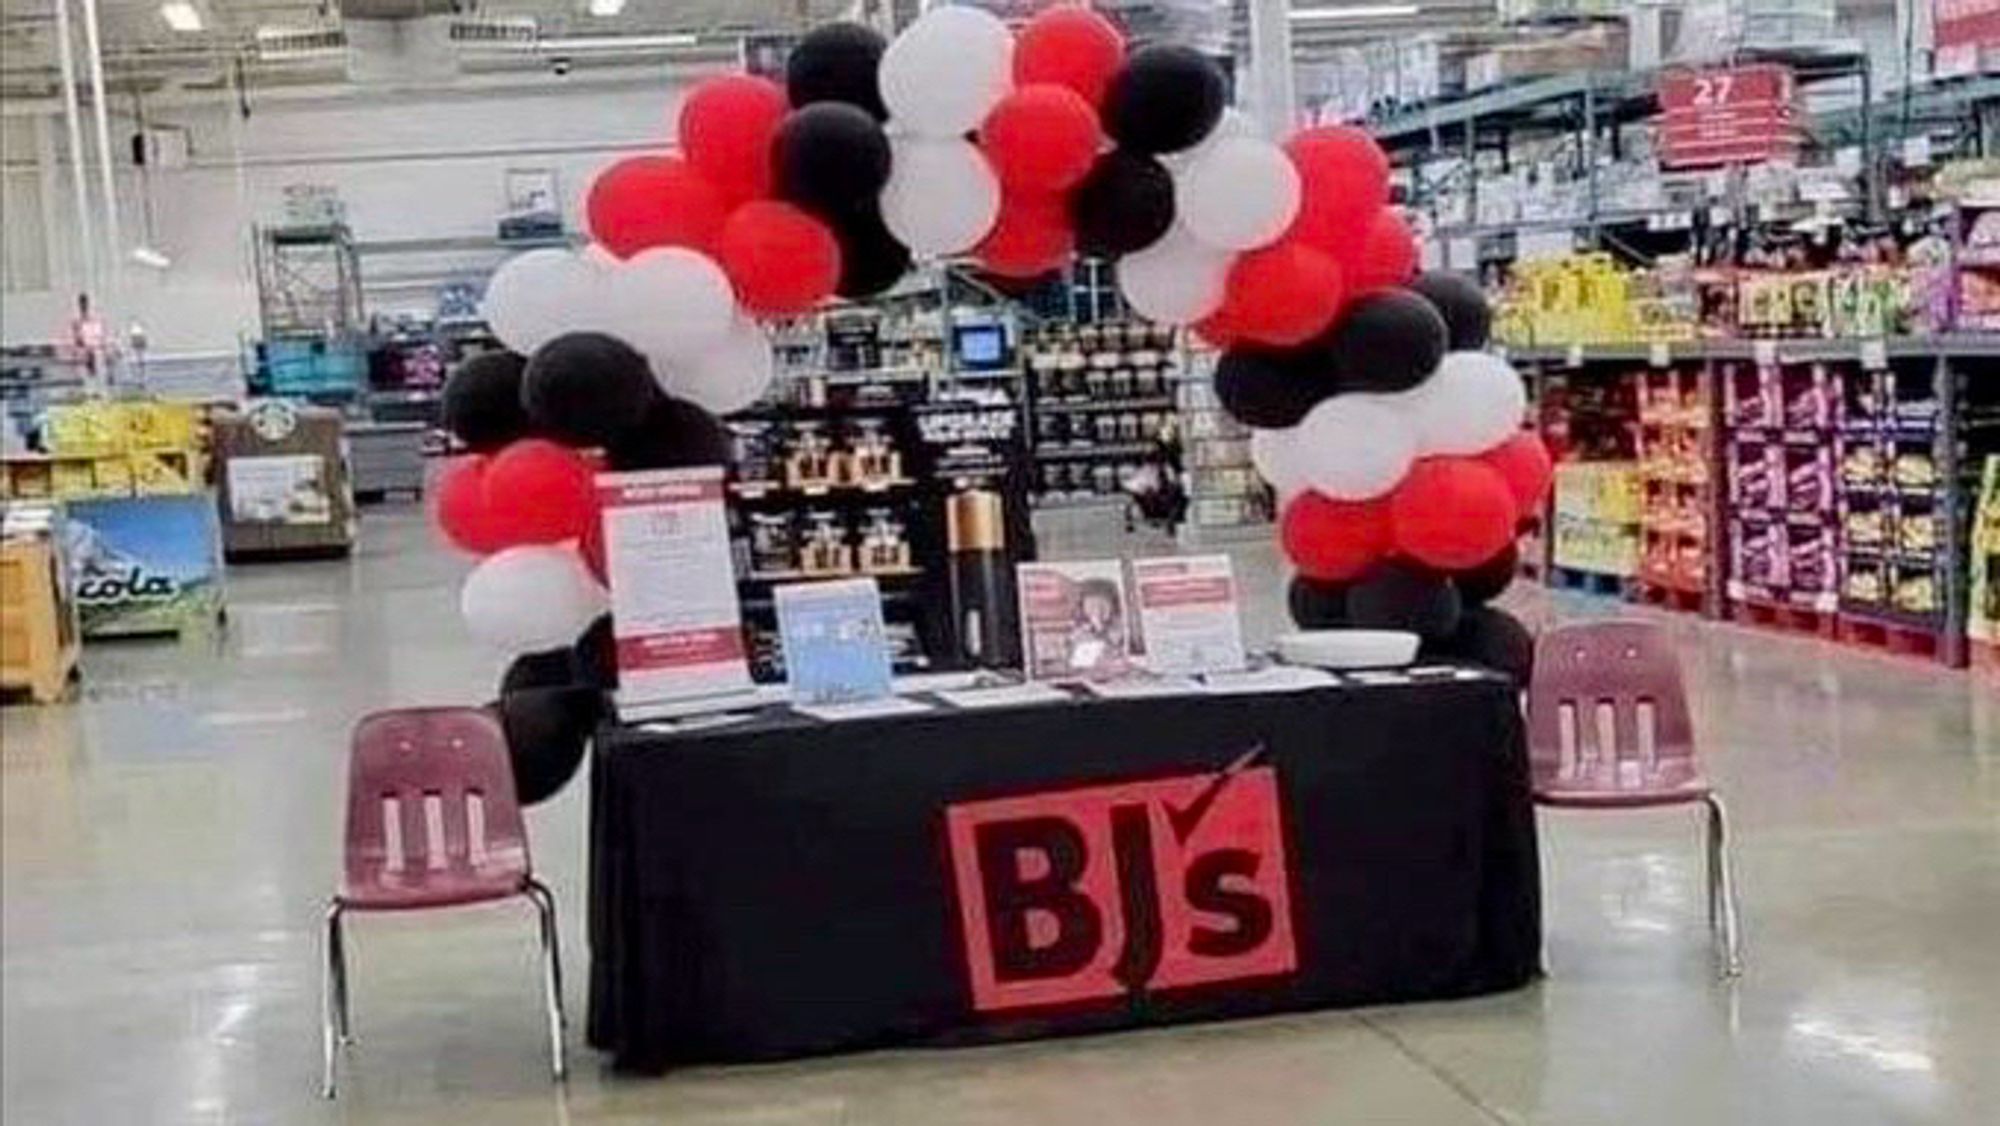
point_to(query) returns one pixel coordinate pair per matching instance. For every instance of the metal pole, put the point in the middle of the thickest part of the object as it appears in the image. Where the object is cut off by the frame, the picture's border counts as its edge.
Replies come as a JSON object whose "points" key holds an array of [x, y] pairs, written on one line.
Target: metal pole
{"points": [[72, 117], [113, 242], [1272, 99]]}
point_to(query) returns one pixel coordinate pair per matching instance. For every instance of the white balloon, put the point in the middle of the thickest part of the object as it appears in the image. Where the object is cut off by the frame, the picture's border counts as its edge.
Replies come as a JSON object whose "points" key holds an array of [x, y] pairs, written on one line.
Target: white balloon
{"points": [[1233, 123], [1354, 446], [942, 196], [595, 254], [1177, 280], [728, 377], [670, 302], [1473, 402], [1271, 452], [945, 72], [535, 297], [532, 597], [1240, 194]]}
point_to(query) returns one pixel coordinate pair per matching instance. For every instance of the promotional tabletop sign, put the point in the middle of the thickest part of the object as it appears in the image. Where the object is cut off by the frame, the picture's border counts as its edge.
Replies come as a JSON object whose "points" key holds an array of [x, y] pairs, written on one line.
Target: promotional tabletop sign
{"points": [[833, 637], [674, 615], [1074, 621], [1187, 614]]}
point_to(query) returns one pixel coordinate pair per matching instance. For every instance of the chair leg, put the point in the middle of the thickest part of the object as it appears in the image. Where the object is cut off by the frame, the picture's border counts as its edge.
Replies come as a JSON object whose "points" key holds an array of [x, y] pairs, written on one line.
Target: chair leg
{"points": [[545, 906], [333, 1000], [1722, 888]]}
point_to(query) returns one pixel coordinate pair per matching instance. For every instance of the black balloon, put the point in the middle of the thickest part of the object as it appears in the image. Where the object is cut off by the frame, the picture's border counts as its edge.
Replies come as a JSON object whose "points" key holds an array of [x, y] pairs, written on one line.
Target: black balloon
{"points": [[1165, 99], [1403, 596], [586, 388], [675, 434], [596, 656], [1316, 604], [1468, 318], [550, 668], [547, 730], [871, 260], [1269, 390], [1484, 583], [831, 159], [1125, 203], [837, 62], [482, 401], [1489, 636], [1385, 341]]}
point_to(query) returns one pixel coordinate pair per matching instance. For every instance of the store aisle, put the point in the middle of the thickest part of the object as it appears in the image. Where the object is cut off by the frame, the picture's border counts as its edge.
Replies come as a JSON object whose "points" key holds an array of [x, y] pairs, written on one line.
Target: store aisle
{"points": [[166, 844]]}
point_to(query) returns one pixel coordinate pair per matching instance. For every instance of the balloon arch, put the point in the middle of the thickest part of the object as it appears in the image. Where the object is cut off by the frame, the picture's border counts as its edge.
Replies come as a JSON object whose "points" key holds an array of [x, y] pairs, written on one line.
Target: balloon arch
{"points": [[1394, 441]]}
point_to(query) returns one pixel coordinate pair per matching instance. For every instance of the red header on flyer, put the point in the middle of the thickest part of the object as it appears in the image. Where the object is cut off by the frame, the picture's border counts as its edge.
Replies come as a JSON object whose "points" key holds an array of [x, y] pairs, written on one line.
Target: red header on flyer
{"points": [[626, 495], [679, 649]]}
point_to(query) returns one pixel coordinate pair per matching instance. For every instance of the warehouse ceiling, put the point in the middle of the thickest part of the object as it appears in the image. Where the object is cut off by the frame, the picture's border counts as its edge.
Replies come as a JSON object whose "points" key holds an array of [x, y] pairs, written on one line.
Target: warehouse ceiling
{"points": [[273, 42]]}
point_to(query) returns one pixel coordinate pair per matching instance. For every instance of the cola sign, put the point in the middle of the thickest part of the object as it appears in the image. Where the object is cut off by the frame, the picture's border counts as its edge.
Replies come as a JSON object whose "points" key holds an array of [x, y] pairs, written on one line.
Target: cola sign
{"points": [[1086, 895]]}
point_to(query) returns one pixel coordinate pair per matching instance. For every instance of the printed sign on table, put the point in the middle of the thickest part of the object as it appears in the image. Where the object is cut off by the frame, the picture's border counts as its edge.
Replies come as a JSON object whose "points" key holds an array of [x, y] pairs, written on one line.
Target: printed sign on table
{"points": [[675, 620], [836, 651], [1188, 619], [1074, 621]]}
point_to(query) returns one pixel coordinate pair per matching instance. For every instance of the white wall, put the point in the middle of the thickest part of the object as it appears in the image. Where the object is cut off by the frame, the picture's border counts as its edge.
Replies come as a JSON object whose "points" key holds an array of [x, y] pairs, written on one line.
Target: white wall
{"points": [[407, 163]]}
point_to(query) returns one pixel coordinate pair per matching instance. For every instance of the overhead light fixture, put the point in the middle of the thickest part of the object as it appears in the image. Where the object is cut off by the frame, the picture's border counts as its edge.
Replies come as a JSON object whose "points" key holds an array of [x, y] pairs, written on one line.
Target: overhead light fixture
{"points": [[1354, 12], [151, 258], [604, 9], [614, 42], [181, 15]]}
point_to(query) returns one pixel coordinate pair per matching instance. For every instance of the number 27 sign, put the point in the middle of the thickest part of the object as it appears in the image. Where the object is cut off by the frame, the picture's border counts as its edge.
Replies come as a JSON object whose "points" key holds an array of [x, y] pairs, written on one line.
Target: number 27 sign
{"points": [[1728, 115]]}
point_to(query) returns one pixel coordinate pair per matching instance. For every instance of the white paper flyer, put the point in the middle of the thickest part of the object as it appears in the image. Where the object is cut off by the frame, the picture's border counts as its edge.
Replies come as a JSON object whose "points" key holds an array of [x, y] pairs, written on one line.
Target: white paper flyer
{"points": [[674, 615], [1187, 611]]}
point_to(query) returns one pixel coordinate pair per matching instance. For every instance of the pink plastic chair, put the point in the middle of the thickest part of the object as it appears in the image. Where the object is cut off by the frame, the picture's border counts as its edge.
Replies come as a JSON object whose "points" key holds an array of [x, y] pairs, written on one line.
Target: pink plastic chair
{"points": [[1608, 728], [432, 821]]}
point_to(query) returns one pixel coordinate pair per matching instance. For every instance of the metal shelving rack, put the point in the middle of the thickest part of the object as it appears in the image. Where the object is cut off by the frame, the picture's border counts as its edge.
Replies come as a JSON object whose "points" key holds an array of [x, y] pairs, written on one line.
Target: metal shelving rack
{"points": [[308, 281], [1965, 382]]}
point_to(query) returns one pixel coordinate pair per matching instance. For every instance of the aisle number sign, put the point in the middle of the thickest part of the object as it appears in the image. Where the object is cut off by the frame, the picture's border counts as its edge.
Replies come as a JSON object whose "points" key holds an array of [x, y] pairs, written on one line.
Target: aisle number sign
{"points": [[1962, 29], [1728, 115]]}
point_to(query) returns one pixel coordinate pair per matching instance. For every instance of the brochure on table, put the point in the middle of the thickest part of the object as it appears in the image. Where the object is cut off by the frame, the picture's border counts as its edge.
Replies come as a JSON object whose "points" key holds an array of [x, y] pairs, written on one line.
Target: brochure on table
{"points": [[1074, 622], [675, 620], [836, 651], [1187, 614]]}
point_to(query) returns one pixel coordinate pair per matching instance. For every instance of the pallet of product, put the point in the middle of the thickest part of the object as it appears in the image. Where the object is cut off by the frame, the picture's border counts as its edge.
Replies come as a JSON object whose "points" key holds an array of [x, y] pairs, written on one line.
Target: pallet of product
{"points": [[1907, 638]]}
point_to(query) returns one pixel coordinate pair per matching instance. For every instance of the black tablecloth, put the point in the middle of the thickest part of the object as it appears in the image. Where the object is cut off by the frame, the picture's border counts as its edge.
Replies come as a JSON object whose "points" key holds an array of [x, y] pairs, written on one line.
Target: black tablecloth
{"points": [[783, 886]]}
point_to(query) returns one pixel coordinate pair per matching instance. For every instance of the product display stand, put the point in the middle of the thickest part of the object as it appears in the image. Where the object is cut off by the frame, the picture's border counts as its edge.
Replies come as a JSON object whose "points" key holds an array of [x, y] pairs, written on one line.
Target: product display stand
{"points": [[282, 471], [1102, 405], [39, 633], [1228, 501]]}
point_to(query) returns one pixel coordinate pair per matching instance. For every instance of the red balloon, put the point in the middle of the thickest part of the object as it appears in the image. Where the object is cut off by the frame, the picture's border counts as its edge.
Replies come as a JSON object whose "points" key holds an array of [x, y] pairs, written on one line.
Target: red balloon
{"points": [[1333, 540], [647, 201], [1343, 181], [1282, 295], [1031, 237], [540, 492], [780, 260], [1388, 255], [460, 506], [1073, 47], [1523, 462], [1452, 513], [1041, 138], [726, 128]]}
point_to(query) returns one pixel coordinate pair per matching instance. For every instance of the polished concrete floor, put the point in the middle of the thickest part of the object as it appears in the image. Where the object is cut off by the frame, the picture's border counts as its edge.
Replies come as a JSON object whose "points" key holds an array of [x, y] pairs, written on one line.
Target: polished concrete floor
{"points": [[168, 839]]}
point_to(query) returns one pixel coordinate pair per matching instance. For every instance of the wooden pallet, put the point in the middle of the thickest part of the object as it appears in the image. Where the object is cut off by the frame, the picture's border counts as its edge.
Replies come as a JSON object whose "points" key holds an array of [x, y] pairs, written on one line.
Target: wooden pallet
{"points": [[1586, 582], [1781, 616], [1899, 638], [1666, 597]]}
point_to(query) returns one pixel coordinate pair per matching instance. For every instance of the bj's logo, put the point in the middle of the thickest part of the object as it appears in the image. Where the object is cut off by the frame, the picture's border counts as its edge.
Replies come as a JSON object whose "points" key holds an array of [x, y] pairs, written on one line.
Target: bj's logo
{"points": [[1072, 895]]}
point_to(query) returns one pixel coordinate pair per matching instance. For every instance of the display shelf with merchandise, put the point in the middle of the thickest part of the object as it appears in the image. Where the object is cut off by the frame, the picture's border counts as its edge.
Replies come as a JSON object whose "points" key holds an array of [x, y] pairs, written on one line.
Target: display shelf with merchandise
{"points": [[1101, 402]]}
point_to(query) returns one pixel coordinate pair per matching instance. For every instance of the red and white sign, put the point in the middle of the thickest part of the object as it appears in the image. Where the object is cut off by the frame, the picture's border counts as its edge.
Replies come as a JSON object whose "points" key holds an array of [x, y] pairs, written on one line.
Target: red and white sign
{"points": [[1729, 115], [1188, 620], [674, 616], [1960, 31], [1081, 897]]}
